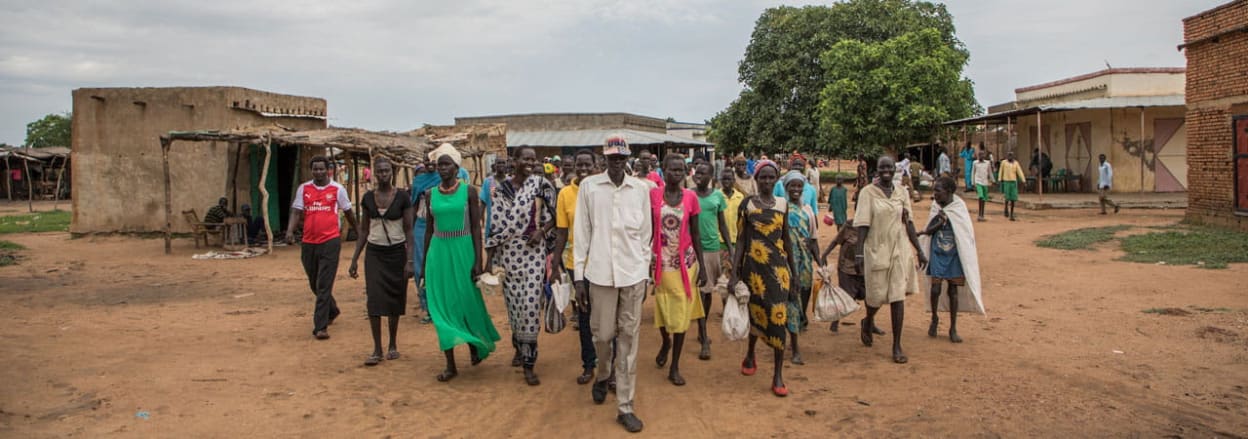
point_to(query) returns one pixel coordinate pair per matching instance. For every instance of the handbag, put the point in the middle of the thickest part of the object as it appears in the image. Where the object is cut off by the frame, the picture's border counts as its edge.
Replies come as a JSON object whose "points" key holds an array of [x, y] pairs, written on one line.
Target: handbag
{"points": [[832, 303]]}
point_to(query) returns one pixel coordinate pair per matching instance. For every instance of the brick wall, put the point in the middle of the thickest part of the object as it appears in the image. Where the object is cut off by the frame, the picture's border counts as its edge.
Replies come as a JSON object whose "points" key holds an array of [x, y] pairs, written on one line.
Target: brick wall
{"points": [[1217, 90]]}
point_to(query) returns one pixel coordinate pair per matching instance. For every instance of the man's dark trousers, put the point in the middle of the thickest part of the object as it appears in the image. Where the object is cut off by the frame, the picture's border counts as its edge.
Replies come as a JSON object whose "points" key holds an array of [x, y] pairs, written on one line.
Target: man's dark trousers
{"points": [[320, 262]]}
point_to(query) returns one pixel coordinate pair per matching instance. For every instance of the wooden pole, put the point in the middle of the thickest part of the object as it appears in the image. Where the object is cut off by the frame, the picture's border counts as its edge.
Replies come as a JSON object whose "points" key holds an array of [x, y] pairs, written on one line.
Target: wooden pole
{"points": [[1040, 159], [165, 143], [30, 187], [8, 177], [355, 183], [238, 157], [264, 191], [1142, 150], [56, 196]]}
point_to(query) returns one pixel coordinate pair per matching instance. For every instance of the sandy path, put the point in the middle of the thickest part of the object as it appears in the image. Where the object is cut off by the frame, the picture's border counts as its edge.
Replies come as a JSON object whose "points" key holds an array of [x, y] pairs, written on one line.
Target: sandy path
{"points": [[99, 329]]}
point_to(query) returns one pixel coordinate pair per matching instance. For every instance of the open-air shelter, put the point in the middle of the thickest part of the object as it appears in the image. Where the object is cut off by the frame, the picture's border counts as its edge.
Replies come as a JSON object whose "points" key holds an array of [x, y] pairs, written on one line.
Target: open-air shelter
{"points": [[405, 151]]}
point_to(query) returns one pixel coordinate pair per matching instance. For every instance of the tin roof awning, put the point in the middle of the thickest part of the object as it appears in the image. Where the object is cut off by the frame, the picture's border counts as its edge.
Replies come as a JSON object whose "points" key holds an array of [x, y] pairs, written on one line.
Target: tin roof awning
{"points": [[595, 138], [1088, 104]]}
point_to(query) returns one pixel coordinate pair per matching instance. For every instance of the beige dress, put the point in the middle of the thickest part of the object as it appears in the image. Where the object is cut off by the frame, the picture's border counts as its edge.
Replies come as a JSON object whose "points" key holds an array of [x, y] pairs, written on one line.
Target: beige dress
{"points": [[888, 263]]}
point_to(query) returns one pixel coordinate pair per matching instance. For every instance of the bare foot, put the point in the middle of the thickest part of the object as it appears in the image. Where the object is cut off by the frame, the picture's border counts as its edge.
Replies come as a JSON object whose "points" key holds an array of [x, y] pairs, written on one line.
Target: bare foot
{"points": [[953, 337], [931, 330], [448, 375]]}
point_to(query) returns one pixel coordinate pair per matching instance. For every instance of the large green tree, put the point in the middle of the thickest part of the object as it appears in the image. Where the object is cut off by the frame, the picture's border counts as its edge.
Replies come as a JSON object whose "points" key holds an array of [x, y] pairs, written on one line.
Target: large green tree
{"points": [[52, 130], [784, 72], [892, 93]]}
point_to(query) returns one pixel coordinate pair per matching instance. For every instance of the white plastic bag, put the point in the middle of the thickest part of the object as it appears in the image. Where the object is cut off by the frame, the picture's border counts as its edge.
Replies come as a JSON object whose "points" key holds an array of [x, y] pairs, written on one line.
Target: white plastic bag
{"points": [[561, 289], [832, 303], [736, 317], [552, 317]]}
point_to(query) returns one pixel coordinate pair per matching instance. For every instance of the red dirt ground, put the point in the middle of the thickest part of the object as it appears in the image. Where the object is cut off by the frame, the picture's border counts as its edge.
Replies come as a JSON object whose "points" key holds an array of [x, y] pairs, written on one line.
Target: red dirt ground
{"points": [[98, 329]]}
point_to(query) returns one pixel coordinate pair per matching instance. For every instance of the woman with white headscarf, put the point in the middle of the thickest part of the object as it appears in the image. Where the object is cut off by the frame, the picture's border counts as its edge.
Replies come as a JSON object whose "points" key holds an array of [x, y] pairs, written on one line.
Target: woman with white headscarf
{"points": [[805, 247], [452, 264]]}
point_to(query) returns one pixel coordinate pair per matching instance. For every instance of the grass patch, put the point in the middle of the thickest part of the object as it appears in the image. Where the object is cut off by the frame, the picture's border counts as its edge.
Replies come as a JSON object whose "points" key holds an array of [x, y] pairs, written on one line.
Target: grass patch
{"points": [[1201, 246], [8, 252], [1080, 239], [10, 245], [54, 221]]}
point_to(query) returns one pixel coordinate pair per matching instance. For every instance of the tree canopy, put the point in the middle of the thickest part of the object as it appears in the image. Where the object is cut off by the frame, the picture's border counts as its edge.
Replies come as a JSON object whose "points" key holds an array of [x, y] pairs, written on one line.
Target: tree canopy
{"points": [[51, 130], [787, 69]]}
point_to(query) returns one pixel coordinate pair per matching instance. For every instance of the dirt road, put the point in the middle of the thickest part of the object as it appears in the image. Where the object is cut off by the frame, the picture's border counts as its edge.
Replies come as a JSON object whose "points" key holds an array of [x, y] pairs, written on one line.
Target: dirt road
{"points": [[108, 336]]}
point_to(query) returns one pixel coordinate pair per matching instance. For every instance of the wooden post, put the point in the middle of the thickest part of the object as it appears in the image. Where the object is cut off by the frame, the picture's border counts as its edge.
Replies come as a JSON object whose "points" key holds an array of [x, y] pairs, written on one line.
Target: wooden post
{"points": [[8, 177], [238, 157], [1040, 159], [355, 183], [165, 143], [56, 196], [1142, 150], [264, 191], [30, 187]]}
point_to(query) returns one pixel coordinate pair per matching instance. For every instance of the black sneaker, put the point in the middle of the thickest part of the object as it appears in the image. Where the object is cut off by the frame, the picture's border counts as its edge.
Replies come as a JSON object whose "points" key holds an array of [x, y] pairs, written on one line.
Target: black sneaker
{"points": [[599, 392], [630, 422]]}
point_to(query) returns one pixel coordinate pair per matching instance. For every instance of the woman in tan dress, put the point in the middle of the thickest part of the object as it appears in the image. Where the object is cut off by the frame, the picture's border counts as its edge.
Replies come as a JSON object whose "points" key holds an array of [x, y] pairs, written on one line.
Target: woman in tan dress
{"points": [[887, 246]]}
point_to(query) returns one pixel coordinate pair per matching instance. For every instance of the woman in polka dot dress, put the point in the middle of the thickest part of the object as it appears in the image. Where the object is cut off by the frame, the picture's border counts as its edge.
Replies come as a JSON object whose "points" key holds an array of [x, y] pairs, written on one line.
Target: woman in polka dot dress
{"points": [[523, 216]]}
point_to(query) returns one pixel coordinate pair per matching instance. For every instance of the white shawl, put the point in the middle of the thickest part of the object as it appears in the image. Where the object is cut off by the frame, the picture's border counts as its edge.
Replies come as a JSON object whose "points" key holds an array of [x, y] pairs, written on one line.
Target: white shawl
{"points": [[970, 299]]}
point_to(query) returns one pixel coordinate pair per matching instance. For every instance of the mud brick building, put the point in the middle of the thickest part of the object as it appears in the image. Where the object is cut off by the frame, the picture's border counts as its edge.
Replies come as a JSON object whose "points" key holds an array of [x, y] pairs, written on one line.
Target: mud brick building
{"points": [[116, 158], [1216, 45]]}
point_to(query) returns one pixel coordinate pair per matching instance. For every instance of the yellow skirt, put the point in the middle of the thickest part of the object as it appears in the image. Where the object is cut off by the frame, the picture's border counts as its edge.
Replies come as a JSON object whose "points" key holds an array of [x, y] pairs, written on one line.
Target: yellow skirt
{"points": [[673, 309]]}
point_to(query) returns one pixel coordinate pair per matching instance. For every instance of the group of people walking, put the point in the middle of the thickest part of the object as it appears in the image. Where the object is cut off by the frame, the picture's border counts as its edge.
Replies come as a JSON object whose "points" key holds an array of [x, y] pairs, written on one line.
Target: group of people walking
{"points": [[619, 235]]}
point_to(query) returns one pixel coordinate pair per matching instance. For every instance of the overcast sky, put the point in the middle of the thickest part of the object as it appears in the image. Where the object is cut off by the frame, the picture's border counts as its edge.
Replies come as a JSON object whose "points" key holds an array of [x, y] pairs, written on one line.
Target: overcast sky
{"points": [[395, 65]]}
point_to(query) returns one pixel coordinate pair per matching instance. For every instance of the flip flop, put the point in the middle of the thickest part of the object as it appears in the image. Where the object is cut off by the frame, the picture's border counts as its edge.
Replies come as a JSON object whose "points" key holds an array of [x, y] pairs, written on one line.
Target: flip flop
{"points": [[748, 369], [372, 360], [676, 379], [781, 391], [392, 355]]}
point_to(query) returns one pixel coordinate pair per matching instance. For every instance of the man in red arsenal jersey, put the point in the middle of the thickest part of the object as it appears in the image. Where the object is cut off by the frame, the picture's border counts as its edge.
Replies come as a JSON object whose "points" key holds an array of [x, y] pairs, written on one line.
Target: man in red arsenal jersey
{"points": [[316, 206]]}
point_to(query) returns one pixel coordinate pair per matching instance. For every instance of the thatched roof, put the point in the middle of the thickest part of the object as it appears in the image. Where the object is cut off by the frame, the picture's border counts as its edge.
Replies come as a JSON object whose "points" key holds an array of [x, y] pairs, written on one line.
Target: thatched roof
{"points": [[37, 154], [406, 149]]}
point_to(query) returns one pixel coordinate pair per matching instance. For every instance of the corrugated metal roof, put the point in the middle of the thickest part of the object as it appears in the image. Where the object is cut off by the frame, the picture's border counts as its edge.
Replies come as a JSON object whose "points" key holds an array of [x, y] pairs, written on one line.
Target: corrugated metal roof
{"points": [[1088, 104], [593, 138]]}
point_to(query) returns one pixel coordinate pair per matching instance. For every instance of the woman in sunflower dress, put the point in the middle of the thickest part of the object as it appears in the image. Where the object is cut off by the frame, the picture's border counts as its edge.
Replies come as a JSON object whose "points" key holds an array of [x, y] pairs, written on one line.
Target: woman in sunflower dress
{"points": [[765, 265], [801, 222]]}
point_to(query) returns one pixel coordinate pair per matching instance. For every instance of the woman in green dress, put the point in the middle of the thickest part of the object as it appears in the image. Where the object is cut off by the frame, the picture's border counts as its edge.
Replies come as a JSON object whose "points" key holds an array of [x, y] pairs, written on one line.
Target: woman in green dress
{"points": [[764, 264], [453, 212]]}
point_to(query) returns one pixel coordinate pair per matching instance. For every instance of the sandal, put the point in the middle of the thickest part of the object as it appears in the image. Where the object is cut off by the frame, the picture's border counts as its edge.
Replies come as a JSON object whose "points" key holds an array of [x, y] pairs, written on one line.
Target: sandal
{"points": [[781, 391], [372, 360], [748, 368], [393, 354], [866, 334], [530, 378], [676, 379]]}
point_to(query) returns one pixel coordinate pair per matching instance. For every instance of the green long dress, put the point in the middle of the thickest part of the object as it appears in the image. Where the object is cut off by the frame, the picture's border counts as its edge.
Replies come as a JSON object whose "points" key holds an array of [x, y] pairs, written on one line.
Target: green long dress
{"points": [[455, 303]]}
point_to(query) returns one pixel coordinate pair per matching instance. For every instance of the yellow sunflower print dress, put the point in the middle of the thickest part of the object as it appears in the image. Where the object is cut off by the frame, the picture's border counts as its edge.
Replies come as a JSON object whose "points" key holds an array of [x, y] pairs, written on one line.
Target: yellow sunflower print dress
{"points": [[765, 271]]}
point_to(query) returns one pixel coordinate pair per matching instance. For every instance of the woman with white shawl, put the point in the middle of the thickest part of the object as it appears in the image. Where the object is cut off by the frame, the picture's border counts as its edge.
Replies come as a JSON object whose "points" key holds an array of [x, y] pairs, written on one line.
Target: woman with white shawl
{"points": [[954, 260]]}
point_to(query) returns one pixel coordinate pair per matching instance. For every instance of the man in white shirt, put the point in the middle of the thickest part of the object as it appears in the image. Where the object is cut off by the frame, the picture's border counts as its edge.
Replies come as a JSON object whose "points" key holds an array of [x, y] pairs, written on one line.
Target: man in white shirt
{"points": [[981, 173], [1104, 182], [611, 258], [943, 166]]}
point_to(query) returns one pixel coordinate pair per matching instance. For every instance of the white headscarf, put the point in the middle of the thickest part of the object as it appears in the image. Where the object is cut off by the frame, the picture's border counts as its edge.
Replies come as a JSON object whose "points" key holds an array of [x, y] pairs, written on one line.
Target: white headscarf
{"points": [[448, 150]]}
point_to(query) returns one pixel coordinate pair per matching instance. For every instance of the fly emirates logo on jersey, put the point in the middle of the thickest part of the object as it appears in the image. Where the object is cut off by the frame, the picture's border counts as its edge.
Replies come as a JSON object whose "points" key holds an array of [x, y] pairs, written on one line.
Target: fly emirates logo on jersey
{"points": [[324, 203]]}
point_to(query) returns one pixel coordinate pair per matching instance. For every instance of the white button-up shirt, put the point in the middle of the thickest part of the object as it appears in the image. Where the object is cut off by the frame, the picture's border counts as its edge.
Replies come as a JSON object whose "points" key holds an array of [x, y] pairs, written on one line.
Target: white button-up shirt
{"points": [[612, 232]]}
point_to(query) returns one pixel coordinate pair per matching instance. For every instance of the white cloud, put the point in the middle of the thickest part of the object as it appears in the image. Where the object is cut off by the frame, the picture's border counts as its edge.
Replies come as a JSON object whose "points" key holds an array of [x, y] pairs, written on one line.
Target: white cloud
{"points": [[390, 64]]}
